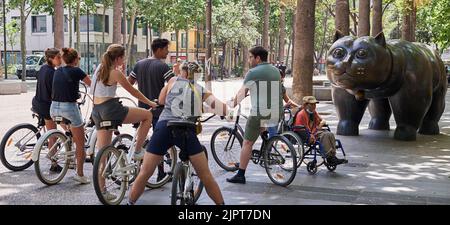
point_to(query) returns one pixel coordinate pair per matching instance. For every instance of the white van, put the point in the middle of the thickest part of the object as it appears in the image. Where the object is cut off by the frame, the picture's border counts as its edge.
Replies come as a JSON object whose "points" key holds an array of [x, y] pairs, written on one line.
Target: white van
{"points": [[33, 65]]}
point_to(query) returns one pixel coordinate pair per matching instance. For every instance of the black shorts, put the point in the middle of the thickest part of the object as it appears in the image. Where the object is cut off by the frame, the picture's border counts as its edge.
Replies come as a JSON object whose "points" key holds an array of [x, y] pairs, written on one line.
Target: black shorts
{"points": [[110, 110], [163, 139], [41, 108]]}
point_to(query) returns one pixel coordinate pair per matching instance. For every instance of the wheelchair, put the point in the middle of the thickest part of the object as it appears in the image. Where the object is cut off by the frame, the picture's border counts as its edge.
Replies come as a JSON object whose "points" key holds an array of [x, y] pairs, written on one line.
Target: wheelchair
{"points": [[311, 154]]}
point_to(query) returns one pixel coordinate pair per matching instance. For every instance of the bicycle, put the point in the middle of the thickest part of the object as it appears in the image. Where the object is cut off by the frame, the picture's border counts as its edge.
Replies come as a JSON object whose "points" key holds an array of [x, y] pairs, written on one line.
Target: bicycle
{"points": [[186, 185], [18, 143], [276, 153], [114, 165]]}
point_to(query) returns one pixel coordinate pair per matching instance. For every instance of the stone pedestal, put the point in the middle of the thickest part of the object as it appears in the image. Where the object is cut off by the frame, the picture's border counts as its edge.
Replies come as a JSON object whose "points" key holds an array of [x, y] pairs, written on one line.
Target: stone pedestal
{"points": [[12, 87]]}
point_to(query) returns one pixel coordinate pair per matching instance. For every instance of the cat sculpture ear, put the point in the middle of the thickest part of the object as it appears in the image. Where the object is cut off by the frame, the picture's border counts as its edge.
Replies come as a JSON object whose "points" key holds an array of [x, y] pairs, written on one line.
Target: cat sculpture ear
{"points": [[338, 35], [380, 39]]}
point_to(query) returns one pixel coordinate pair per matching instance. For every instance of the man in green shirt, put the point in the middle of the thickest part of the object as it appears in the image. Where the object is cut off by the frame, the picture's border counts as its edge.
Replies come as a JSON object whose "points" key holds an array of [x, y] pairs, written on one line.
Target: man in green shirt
{"points": [[263, 82]]}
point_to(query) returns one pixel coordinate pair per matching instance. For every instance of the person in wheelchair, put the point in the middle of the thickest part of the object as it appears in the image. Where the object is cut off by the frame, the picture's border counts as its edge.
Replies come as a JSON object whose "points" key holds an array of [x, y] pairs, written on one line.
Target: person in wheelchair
{"points": [[182, 98], [310, 119]]}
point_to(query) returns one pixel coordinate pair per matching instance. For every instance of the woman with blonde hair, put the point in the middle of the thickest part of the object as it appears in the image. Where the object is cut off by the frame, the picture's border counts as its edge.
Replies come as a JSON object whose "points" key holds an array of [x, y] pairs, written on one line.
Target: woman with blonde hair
{"points": [[108, 108]]}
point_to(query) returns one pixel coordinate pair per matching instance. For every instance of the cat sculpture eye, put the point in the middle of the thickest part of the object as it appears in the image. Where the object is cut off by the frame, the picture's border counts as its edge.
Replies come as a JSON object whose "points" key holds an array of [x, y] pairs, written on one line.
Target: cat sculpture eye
{"points": [[339, 53]]}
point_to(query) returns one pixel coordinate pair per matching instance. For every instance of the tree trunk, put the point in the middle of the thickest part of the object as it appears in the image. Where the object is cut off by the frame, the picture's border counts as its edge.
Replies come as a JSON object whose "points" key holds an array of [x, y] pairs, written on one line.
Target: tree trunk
{"points": [[245, 65], [342, 19], [117, 21], [354, 18], [413, 22], [124, 16], [130, 37], [150, 34], [187, 44], [294, 23], [208, 59], [222, 60], [377, 17], [104, 25], [265, 36], [364, 18], [77, 22], [304, 49], [59, 24], [70, 21], [282, 40], [288, 53], [408, 21], [177, 33]]}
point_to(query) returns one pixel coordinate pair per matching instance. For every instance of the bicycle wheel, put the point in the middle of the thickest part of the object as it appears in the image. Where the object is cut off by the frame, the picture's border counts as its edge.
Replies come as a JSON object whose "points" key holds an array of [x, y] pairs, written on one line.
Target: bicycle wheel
{"points": [[280, 160], [198, 184], [297, 143], [17, 146], [124, 142], [90, 141], [106, 174], [179, 179], [226, 147], [51, 162], [160, 178]]}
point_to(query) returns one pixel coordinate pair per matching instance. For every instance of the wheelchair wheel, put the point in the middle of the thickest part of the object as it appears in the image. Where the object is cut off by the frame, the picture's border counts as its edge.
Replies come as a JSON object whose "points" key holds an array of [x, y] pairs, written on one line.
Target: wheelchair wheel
{"points": [[330, 167], [297, 143], [311, 167], [309, 153]]}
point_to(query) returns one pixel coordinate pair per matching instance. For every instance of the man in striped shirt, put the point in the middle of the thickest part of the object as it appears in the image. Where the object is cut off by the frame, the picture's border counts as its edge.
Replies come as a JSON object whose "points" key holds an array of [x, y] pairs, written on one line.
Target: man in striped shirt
{"points": [[151, 75]]}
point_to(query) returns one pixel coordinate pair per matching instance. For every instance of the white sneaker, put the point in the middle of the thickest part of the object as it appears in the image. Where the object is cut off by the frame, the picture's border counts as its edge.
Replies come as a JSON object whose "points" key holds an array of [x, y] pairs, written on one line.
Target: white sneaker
{"points": [[108, 196], [81, 180], [138, 156]]}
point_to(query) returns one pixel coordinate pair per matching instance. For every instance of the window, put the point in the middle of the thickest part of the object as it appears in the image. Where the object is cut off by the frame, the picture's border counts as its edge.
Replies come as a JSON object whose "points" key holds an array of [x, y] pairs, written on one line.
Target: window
{"points": [[183, 40], [129, 27], [95, 23], [39, 24], [173, 37], [66, 23]]}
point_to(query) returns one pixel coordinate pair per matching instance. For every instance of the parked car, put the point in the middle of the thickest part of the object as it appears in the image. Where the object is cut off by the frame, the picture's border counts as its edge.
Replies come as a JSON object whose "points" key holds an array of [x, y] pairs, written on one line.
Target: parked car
{"points": [[33, 65]]}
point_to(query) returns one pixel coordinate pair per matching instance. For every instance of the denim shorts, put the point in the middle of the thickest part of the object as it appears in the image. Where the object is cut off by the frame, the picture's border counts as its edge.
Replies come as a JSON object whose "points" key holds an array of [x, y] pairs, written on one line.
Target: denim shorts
{"points": [[67, 110]]}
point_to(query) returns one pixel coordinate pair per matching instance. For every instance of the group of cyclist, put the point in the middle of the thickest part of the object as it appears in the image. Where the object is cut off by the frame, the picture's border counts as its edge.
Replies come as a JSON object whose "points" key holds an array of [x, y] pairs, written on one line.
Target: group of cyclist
{"points": [[181, 97]]}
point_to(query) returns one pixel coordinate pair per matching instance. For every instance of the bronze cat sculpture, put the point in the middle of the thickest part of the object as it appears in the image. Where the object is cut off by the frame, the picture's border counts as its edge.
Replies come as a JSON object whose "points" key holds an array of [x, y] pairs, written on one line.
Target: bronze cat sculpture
{"points": [[399, 77]]}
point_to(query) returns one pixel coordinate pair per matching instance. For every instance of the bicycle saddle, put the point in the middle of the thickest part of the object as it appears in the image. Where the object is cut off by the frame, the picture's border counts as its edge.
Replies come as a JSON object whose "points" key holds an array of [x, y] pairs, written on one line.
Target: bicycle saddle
{"points": [[60, 119], [181, 124]]}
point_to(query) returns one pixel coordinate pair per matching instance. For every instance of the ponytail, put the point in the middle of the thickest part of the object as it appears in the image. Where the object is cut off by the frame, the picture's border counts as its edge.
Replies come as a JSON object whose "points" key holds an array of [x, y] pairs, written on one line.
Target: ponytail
{"points": [[113, 52]]}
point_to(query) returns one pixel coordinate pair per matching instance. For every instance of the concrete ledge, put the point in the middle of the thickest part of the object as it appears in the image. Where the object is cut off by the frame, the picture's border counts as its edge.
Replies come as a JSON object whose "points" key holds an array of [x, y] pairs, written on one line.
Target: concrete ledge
{"points": [[321, 93], [12, 87]]}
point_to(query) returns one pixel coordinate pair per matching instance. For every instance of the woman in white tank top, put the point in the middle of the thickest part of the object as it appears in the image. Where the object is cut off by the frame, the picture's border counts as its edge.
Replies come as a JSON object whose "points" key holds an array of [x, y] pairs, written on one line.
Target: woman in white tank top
{"points": [[108, 108]]}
